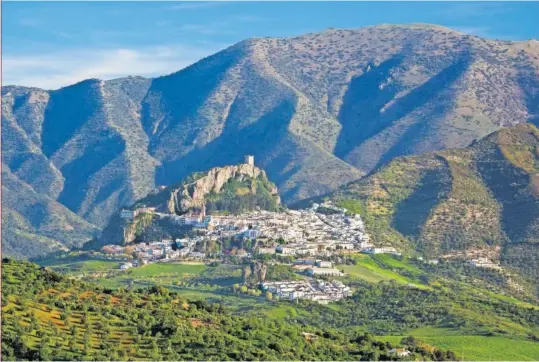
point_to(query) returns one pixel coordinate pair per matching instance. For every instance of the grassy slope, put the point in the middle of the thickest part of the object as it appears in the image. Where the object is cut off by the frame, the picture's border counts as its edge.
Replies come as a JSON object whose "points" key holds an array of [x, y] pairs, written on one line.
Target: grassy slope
{"points": [[53, 316], [471, 346], [79, 264], [476, 348], [367, 268], [484, 196], [373, 269]]}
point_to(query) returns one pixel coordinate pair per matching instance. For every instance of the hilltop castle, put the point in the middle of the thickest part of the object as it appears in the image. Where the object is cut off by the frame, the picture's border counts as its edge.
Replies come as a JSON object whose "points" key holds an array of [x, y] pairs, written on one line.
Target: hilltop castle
{"points": [[249, 159]]}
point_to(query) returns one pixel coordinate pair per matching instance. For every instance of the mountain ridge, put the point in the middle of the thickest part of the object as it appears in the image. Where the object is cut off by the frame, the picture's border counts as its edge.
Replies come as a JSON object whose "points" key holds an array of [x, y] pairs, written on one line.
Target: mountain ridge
{"points": [[480, 200], [337, 103]]}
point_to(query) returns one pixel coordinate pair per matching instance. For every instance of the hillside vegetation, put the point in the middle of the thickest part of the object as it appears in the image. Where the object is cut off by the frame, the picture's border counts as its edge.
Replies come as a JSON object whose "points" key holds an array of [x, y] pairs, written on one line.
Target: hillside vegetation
{"points": [[317, 111], [229, 189], [49, 317], [451, 303], [480, 200], [34, 224]]}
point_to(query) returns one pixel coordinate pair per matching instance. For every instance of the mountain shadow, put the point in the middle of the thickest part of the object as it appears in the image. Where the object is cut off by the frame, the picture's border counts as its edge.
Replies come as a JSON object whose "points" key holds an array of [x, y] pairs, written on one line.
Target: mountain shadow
{"points": [[511, 187], [365, 119], [529, 83], [81, 169], [362, 103], [67, 111], [412, 213], [232, 146], [437, 86], [173, 101]]}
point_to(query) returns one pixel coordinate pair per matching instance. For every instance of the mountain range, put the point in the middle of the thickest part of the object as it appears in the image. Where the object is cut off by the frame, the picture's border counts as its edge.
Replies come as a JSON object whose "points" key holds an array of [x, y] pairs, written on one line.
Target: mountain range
{"points": [[482, 200], [317, 111]]}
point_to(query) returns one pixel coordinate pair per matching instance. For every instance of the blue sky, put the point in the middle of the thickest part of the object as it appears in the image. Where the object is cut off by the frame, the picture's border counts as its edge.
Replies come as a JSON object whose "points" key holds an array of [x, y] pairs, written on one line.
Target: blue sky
{"points": [[54, 44]]}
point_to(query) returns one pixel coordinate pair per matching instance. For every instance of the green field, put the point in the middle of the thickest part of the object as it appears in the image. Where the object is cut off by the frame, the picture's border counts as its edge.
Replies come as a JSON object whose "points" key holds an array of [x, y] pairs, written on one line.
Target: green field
{"points": [[159, 269], [159, 274], [473, 347], [488, 348], [369, 270], [79, 264], [509, 299], [108, 273], [361, 271], [389, 260]]}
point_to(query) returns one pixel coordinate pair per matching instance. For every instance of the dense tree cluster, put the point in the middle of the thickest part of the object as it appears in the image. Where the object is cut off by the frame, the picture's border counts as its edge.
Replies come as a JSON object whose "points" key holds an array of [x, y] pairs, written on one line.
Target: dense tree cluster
{"points": [[49, 317], [387, 308]]}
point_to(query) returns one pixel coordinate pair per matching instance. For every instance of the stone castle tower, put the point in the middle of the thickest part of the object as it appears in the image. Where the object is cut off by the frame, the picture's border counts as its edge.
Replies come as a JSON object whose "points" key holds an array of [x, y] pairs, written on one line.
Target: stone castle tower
{"points": [[250, 160]]}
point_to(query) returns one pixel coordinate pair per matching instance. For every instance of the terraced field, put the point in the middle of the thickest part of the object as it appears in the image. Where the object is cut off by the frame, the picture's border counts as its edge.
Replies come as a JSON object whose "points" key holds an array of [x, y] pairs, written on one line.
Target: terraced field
{"points": [[46, 316], [483, 332]]}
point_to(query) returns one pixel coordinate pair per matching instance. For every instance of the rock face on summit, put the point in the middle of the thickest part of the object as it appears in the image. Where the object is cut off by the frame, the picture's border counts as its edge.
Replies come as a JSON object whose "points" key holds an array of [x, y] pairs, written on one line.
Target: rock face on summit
{"points": [[317, 111], [194, 195], [229, 189]]}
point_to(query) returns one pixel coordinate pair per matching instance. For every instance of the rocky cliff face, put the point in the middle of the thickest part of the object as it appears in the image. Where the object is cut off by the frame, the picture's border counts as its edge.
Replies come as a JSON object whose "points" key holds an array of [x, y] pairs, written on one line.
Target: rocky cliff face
{"points": [[229, 189], [194, 195]]}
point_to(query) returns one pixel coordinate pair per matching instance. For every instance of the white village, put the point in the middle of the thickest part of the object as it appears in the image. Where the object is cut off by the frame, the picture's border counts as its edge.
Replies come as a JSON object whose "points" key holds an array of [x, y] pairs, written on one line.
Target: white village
{"points": [[308, 237]]}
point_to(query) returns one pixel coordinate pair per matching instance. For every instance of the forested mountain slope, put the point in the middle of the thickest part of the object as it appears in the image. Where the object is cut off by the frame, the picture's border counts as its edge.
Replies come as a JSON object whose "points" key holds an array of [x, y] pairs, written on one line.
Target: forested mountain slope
{"points": [[481, 198], [316, 111], [35, 223]]}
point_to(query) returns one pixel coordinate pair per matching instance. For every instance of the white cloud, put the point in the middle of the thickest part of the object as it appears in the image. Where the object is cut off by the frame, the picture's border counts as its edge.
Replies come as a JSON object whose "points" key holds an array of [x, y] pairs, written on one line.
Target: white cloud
{"points": [[55, 70]]}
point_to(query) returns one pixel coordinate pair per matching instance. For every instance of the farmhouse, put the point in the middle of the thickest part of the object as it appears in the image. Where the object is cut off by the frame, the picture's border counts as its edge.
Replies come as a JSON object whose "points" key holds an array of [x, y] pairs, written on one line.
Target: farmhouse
{"points": [[304, 262], [266, 250], [382, 250], [483, 263]]}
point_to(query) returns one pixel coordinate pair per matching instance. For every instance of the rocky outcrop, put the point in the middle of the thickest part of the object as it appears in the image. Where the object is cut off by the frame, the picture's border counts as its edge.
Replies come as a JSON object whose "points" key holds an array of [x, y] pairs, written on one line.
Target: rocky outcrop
{"points": [[231, 189], [192, 196]]}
